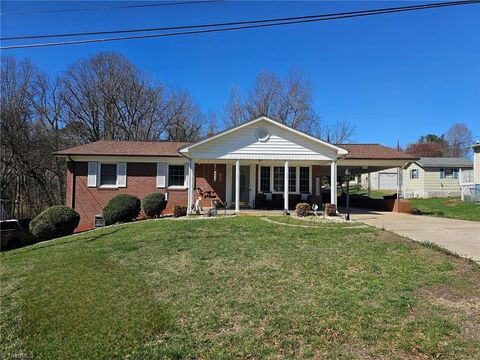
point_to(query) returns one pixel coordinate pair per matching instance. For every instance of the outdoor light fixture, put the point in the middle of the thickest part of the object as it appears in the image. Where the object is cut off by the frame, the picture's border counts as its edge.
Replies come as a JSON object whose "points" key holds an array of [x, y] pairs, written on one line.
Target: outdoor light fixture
{"points": [[347, 175]]}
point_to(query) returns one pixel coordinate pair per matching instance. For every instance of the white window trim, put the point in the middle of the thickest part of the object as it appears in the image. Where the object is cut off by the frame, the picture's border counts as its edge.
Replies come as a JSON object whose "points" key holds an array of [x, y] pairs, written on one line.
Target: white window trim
{"points": [[297, 184], [99, 176], [411, 174], [185, 178]]}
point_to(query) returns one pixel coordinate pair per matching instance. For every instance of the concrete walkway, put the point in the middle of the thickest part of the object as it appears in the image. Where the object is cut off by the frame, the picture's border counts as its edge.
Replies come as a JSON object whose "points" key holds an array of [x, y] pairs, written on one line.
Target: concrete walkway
{"points": [[459, 236]]}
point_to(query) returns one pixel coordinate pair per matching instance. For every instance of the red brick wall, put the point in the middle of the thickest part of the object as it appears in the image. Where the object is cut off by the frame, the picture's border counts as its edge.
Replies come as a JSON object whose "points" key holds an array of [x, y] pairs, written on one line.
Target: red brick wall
{"points": [[141, 181], [204, 175]]}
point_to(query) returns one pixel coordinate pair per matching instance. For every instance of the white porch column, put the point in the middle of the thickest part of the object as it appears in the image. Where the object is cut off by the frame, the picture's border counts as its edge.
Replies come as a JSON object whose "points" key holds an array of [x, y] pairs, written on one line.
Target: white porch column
{"points": [[237, 186], [333, 182], [285, 188], [191, 184]]}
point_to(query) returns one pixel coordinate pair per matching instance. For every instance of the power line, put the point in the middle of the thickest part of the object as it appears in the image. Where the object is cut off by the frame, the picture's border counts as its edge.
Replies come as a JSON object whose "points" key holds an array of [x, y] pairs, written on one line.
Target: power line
{"points": [[110, 7], [251, 24], [235, 23]]}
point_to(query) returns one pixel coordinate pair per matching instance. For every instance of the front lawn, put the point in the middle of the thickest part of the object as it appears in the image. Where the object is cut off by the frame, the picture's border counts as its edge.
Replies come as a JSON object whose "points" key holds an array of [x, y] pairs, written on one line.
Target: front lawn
{"points": [[453, 208], [238, 287]]}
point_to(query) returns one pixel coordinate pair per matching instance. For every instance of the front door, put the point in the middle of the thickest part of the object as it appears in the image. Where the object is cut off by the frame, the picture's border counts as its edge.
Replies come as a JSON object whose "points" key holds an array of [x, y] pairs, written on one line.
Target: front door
{"points": [[244, 185]]}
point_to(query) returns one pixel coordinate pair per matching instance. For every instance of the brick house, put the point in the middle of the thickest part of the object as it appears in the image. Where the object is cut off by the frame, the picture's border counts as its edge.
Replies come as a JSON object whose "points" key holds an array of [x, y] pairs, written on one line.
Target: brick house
{"points": [[259, 164]]}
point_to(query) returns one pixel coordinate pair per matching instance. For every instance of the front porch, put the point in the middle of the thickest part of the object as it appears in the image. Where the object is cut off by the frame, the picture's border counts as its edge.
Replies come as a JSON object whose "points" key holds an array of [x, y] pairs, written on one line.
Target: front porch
{"points": [[245, 185]]}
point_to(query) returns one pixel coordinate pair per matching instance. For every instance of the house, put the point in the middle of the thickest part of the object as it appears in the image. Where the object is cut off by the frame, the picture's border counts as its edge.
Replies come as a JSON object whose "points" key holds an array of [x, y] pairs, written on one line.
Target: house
{"points": [[470, 180], [434, 177], [259, 164]]}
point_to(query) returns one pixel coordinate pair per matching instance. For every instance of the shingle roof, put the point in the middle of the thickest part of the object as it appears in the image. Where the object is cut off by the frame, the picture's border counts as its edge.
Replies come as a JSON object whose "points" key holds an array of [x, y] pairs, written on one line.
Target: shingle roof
{"points": [[126, 148], [374, 151], [447, 162], [170, 148]]}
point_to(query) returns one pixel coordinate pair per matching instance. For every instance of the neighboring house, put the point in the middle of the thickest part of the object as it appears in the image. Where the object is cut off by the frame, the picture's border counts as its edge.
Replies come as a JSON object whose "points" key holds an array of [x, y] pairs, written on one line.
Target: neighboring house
{"points": [[259, 164], [380, 180], [434, 177], [470, 180]]}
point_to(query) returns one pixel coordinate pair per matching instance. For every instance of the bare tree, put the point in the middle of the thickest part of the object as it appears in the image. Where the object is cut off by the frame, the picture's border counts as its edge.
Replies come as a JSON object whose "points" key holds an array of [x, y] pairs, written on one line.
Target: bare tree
{"points": [[289, 101], [338, 132], [185, 120], [458, 137]]}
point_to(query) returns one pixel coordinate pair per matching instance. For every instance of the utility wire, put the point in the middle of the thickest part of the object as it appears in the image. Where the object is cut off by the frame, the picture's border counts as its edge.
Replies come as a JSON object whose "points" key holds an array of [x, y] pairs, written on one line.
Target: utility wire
{"points": [[251, 25], [235, 23], [110, 7]]}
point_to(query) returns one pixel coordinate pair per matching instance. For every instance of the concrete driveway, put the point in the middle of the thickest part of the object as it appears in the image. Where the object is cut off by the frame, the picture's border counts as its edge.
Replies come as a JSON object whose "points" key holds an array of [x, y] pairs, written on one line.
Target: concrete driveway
{"points": [[459, 236]]}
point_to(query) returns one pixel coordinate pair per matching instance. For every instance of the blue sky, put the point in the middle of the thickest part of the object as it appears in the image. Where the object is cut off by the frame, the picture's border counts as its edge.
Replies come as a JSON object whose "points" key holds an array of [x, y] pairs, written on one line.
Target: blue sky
{"points": [[395, 76]]}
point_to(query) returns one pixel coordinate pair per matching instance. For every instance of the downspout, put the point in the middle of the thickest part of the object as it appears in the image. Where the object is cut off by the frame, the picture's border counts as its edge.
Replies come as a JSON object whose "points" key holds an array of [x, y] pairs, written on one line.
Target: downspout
{"points": [[74, 182]]}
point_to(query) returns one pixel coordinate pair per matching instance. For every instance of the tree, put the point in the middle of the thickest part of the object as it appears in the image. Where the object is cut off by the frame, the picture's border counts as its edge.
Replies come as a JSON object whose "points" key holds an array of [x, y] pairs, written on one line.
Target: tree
{"points": [[424, 150], [339, 132], [289, 101], [30, 131], [458, 137]]}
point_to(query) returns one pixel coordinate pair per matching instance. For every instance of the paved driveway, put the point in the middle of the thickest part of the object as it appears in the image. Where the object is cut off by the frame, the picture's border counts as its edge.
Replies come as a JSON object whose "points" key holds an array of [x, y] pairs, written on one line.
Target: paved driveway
{"points": [[459, 236]]}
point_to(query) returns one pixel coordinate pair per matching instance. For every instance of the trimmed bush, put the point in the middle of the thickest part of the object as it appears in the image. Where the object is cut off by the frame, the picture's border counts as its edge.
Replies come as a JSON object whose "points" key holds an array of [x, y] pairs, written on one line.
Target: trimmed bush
{"points": [[179, 211], [153, 204], [302, 209], [122, 208], [54, 222]]}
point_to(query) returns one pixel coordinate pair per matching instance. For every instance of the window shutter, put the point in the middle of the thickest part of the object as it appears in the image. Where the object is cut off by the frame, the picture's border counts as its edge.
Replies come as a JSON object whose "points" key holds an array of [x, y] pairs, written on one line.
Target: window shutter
{"points": [[161, 175], [92, 174], [122, 174], [187, 175]]}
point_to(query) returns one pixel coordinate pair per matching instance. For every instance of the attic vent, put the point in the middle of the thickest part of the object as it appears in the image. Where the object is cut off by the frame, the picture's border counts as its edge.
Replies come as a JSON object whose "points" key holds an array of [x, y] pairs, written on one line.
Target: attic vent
{"points": [[262, 134]]}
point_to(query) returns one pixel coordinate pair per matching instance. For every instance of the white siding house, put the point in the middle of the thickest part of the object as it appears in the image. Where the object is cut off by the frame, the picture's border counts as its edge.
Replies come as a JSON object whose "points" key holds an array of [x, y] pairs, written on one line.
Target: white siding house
{"points": [[380, 180], [434, 177]]}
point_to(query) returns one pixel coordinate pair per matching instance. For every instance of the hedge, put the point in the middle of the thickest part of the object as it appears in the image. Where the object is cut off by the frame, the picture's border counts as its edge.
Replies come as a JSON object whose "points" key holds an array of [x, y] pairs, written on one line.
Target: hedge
{"points": [[54, 222], [121, 208], [153, 204]]}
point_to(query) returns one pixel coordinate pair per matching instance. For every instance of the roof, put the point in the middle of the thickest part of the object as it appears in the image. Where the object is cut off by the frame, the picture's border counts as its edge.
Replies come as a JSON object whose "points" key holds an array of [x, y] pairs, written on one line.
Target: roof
{"points": [[374, 151], [170, 148], [444, 162], [337, 149], [126, 148], [473, 146]]}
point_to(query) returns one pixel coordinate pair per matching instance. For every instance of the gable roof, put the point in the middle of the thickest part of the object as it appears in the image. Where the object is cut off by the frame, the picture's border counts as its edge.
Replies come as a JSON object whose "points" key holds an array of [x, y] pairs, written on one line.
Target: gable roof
{"points": [[374, 151], [125, 148], [444, 162], [339, 150]]}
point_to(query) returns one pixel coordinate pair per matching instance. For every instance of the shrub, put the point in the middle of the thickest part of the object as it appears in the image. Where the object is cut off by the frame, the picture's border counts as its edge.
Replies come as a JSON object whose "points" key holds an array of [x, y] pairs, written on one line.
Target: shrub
{"points": [[54, 222], [331, 209], [154, 204], [302, 209], [121, 208], [416, 211], [179, 211]]}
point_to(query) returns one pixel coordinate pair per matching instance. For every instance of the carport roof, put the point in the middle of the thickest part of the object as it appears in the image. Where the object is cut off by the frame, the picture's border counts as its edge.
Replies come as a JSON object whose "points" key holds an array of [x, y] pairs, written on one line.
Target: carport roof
{"points": [[374, 151]]}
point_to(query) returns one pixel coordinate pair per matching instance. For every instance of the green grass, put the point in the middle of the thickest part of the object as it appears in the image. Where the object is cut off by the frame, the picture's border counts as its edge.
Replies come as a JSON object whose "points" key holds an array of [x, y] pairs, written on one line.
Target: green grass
{"points": [[453, 208], [237, 288]]}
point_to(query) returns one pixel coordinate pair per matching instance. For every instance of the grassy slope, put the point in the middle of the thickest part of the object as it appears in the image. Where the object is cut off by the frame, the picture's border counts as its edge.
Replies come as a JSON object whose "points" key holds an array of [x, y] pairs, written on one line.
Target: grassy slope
{"points": [[453, 208], [237, 287]]}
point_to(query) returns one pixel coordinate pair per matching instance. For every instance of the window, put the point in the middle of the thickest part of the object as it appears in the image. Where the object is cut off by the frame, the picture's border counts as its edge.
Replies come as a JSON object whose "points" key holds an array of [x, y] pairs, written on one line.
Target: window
{"points": [[108, 174], [304, 179], [176, 175], [278, 178], [292, 179], [449, 173], [264, 178], [455, 173], [414, 174]]}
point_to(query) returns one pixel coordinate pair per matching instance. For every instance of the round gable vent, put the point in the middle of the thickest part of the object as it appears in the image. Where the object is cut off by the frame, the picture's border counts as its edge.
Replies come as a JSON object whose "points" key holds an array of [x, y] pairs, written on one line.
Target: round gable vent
{"points": [[262, 134]]}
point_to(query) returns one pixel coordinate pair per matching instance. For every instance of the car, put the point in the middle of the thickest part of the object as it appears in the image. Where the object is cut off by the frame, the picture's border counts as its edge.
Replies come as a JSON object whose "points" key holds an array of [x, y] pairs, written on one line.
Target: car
{"points": [[14, 233]]}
